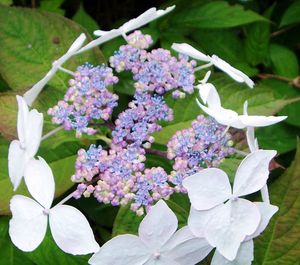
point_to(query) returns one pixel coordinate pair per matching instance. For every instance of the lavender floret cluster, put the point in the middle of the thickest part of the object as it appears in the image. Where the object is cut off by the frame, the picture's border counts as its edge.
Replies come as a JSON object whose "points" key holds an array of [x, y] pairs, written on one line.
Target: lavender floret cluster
{"points": [[203, 145], [87, 99], [156, 71]]}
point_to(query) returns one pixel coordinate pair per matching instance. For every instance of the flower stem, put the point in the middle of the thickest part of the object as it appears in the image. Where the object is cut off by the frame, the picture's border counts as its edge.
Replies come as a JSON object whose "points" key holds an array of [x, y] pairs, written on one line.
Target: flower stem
{"points": [[105, 139], [157, 152], [47, 135], [203, 67], [65, 199], [66, 70]]}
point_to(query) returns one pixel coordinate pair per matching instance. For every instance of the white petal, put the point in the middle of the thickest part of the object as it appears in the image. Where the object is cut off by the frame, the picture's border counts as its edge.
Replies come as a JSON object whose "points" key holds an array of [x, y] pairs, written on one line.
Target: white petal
{"points": [[253, 172], [28, 225], [158, 225], [76, 45], [17, 159], [223, 116], [31, 95], [22, 119], [251, 140], [198, 220], [34, 132], [210, 96], [71, 231], [39, 181], [234, 73], [162, 260], [185, 248], [208, 188], [245, 256], [124, 249], [266, 211], [99, 32], [104, 38], [187, 49], [261, 121], [230, 224], [143, 19]]}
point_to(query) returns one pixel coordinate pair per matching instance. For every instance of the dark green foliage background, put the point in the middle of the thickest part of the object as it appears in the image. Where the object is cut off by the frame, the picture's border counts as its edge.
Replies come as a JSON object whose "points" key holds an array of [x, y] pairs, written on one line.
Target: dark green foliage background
{"points": [[262, 38]]}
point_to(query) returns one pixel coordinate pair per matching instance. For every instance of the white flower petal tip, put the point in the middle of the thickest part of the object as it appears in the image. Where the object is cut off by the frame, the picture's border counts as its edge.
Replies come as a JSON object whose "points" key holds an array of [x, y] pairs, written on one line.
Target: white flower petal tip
{"points": [[77, 44], [219, 214], [157, 243], [189, 50], [99, 32]]}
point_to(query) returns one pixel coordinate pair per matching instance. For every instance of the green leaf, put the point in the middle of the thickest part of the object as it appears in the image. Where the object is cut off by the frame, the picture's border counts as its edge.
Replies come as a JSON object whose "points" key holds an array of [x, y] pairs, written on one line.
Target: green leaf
{"points": [[10, 255], [280, 243], [257, 42], [126, 222], [280, 137], [53, 6], [291, 15], [216, 14], [285, 62], [85, 20], [31, 40], [261, 99], [6, 2]]}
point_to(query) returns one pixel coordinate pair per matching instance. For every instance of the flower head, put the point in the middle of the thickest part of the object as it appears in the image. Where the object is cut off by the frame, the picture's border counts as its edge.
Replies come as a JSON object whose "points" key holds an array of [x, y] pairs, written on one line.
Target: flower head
{"points": [[28, 226], [157, 243], [218, 213]]}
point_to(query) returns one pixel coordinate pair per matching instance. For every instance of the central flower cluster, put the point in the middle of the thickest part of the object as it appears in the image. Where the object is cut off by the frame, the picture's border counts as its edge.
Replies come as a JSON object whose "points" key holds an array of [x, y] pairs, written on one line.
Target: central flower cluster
{"points": [[118, 176]]}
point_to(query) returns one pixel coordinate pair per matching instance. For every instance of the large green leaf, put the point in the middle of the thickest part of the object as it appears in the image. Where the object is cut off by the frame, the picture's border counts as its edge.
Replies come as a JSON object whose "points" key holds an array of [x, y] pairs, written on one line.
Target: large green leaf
{"points": [[85, 20], [262, 101], [280, 243], [285, 62], [291, 15], [31, 40], [280, 137], [216, 14]]}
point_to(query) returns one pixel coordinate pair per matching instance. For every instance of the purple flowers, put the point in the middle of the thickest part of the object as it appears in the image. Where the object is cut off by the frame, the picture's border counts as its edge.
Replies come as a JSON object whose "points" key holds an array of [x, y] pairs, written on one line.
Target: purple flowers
{"points": [[87, 99]]}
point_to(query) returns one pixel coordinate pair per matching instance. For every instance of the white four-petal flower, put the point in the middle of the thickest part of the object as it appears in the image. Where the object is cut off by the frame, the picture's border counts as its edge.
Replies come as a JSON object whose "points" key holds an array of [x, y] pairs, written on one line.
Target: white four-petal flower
{"points": [[228, 117], [27, 228], [234, 73], [218, 213], [158, 243], [245, 253], [29, 128], [143, 19], [32, 94]]}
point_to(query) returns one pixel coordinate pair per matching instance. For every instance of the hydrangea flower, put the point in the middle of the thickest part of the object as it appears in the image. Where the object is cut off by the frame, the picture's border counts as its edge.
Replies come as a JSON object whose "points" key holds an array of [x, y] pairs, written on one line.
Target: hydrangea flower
{"points": [[27, 228], [32, 94], [29, 128], [234, 73], [157, 243], [229, 117], [218, 213], [245, 253]]}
